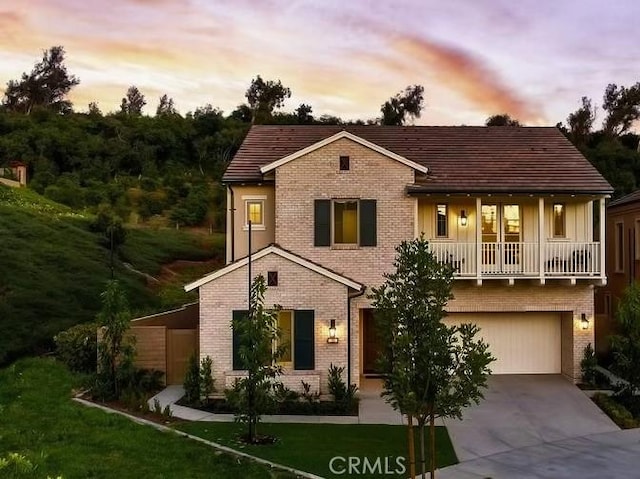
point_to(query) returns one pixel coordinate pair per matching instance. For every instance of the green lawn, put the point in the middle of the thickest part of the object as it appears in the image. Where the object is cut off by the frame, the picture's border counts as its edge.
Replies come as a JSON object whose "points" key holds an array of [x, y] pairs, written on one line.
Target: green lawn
{"points": [[39, 420], [310, 447], [53, 269]]}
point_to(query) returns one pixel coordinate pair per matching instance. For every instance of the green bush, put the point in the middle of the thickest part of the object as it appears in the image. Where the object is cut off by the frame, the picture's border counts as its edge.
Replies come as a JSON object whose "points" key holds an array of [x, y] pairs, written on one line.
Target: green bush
{"points": [[207, 383], [616, 411], [192, 381], [77, 347], [588, 365], [338, 387]]}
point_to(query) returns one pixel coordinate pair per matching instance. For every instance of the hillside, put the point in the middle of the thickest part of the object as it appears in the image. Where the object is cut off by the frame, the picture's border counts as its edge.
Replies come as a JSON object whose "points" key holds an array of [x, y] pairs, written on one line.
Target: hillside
{"points": [[53, 269]]}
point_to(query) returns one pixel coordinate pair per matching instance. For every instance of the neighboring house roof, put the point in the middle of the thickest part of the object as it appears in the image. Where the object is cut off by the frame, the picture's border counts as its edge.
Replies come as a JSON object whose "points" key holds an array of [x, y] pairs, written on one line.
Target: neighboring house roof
{"points": [[626, 199], [463, 159], [343, 134], [275, 249]]}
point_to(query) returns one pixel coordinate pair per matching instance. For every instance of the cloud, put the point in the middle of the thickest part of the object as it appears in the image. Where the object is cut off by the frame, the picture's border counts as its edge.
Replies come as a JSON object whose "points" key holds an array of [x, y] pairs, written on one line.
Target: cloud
{"points": [[466, 74]]}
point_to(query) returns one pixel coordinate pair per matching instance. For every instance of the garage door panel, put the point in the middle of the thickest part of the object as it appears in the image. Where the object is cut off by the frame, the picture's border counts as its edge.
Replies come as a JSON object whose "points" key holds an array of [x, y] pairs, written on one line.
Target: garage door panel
{"points": [[522, 343]]}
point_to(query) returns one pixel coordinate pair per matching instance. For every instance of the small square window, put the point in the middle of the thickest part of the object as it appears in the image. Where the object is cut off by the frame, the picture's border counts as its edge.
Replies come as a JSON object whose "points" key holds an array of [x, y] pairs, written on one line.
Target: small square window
{"points": [[272, 278], [344, 163], [254, 212]]}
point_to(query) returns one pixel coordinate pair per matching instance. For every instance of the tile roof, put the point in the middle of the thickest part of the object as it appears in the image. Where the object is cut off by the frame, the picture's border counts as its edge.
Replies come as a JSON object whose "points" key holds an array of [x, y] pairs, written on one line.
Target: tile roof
{"points": [[626, 199], [460, 158]]}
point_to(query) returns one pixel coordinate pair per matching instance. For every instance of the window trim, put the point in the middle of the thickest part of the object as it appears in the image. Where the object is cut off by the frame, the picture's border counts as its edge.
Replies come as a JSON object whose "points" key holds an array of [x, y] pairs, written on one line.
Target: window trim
{"points": [[258, 199], [564, 220], [619, 246], [446, 220], [335, 245]]}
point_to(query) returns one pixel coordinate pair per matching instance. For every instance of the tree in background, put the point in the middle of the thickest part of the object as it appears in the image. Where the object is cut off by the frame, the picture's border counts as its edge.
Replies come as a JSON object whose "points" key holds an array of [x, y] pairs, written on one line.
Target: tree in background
{"points": [[429, 370], [304, 114], [581, 122], [133, 103], [166, 106], [406, 105], [93, 109], [502, 119], [46, 86], [622, 105], [264, 97]]}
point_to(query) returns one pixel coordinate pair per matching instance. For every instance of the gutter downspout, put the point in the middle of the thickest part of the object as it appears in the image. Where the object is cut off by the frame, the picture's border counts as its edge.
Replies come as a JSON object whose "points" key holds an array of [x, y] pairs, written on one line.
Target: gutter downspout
{"points": [[232, 210], [349, 298]]}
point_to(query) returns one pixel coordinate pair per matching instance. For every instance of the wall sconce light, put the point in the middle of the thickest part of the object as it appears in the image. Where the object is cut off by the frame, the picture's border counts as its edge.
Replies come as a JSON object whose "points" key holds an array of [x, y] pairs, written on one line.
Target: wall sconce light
{"points": [[584, 322], [463, 218], [332, 332]]}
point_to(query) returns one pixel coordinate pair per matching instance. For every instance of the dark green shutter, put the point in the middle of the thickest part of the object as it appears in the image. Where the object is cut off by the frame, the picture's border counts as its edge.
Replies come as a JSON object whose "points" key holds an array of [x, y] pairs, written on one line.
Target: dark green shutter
{"points": [[368, 223], [237, 361], [303, 340], [322, 222]]}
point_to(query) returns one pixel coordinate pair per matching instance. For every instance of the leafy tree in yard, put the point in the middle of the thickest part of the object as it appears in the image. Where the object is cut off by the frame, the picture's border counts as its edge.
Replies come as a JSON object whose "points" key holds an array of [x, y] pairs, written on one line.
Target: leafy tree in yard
{"points": [[133, 103], [257, 333], [264, 97], [430, 370], [502, 119], [46, 86], [115, 348], [626, 345], [405, 105]]}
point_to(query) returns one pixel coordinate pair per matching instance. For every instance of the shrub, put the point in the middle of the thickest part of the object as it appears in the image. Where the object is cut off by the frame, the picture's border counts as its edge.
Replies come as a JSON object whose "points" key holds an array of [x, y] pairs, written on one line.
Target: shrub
{"points": [[207, 383], [307, 395], [616, 411], [338, 387], [588, 365], [282, 393], [192, 381], [77, 347]]}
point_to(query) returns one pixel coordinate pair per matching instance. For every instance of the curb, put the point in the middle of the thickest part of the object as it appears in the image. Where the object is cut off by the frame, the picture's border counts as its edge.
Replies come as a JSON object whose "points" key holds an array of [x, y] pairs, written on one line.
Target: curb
{"points": [[212, 444]]}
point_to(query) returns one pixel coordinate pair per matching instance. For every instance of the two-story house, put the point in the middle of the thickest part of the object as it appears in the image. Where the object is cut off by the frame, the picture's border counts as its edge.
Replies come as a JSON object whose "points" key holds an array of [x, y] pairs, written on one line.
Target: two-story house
{"points": [[511, 207]]}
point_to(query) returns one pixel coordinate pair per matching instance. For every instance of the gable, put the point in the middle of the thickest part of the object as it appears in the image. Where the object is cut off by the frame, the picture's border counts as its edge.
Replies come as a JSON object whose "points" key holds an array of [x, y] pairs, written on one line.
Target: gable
{"points": [[338, 136], [275, 250]]}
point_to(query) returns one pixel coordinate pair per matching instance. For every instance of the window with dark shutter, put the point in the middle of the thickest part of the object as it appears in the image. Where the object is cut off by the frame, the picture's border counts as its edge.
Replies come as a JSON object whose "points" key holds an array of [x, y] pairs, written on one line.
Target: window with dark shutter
{"points": [[237, 344], [304, 340], [344, 163], [322, 223], [272, 278], [368, 223]]}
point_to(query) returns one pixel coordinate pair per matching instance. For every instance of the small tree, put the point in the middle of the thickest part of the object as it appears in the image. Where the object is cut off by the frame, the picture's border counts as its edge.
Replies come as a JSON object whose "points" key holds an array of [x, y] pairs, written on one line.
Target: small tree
{"points": [[626, 345], [207, 383], [191, 382], [115, 348], [257, 333], [430, 370]]}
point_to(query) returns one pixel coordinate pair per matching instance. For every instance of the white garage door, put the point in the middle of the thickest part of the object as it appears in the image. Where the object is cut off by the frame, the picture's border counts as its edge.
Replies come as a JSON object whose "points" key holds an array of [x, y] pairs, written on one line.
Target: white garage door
{"points": [[522, 343]]}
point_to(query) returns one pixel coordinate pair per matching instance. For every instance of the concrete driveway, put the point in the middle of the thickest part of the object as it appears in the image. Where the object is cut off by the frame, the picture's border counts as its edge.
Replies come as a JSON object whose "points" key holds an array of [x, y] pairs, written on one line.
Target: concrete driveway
{"points": [[540, 426]]}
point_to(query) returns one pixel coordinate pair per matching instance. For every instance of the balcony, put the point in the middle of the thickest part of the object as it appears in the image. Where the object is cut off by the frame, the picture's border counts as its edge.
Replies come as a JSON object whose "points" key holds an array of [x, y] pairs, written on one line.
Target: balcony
{"points": [[551, 260]]}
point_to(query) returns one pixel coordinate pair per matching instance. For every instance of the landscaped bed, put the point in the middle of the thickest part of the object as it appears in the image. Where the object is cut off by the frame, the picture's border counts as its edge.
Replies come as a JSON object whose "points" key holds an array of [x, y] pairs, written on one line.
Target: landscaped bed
{"points": [[624, 409], [291, 407], [311, 447]]}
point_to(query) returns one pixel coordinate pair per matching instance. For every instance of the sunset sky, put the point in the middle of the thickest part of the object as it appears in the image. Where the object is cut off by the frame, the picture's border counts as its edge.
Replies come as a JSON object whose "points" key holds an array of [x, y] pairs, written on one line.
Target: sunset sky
{"points": [[533, 59]]}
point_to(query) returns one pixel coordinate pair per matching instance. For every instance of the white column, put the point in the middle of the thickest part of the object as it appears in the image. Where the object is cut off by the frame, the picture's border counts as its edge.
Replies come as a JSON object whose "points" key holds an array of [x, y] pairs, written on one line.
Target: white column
{"points": [[542, 239], [478, 241], [603, 214]]}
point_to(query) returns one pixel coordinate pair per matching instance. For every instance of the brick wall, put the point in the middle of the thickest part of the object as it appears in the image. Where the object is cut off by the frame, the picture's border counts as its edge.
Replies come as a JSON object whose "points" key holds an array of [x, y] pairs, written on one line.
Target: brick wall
{"points": [[298, 288]]}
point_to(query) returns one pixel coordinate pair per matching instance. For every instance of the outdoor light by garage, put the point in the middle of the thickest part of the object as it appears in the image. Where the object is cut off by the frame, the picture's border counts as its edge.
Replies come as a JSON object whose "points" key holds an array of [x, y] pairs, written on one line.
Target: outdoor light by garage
{"points": [[463, 218], [332, 332], [584, 322]]}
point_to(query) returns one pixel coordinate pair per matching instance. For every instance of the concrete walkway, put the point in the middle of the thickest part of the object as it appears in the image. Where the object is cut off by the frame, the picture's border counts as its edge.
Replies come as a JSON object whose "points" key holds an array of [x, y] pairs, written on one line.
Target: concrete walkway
{"points": [[373, 409], [614, 455]]}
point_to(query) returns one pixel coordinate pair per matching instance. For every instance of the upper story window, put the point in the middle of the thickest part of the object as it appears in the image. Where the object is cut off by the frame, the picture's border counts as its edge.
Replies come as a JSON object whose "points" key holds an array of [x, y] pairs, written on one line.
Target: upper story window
{"points": [[559, 220], [619, 238], [442, 221], [254, 212], [344, 163], [345, 222]]}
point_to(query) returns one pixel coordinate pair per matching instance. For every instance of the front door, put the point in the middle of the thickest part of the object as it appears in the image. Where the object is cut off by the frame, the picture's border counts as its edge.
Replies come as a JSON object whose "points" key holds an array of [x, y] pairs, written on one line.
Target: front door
{"points": [[501, 234], [370, 343], [181, 345]]}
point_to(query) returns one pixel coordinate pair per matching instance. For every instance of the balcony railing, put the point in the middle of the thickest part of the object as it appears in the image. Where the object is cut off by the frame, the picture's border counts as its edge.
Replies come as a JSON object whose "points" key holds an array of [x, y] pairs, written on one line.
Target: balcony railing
{"points": [[559, 259]]}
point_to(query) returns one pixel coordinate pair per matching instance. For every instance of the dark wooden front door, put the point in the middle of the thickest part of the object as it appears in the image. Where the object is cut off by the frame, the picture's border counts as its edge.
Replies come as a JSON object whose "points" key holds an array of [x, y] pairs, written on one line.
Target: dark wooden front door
{"points": [[370, 343]]}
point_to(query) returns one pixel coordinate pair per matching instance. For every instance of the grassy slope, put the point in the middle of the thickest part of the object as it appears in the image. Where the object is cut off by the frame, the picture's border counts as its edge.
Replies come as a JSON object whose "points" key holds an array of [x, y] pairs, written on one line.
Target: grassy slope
{"points": [[310, 447], [53, 269], [63, 437]]}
